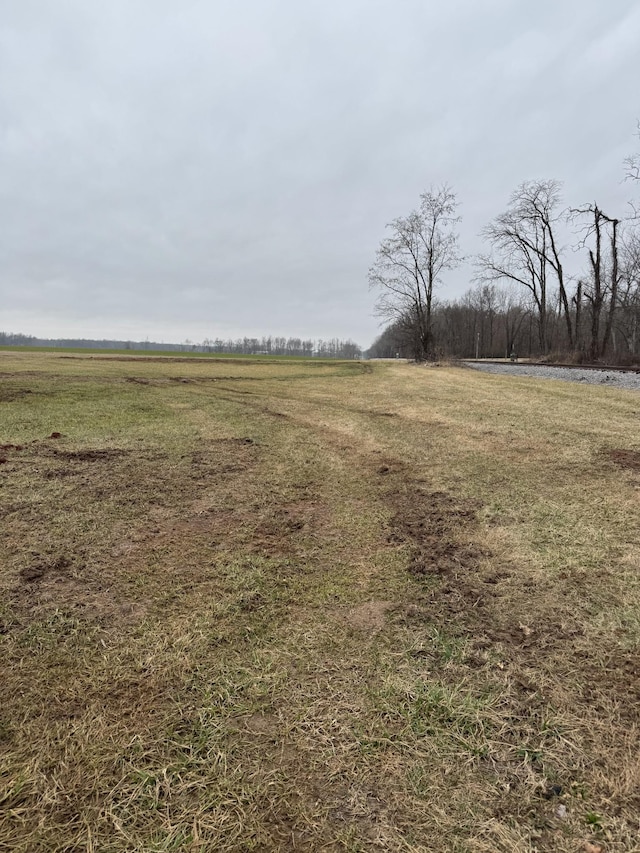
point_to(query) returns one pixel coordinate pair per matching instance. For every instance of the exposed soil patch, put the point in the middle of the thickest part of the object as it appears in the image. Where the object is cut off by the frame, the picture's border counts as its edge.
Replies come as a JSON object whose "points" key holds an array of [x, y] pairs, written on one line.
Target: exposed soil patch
{"points": [[369, 616], [460, 590], [8, 395], [262, 724], [93, 602], [64, 584], [441, 555], [625, 458], [373, 414], [241, 441], [89, 455], [223, 457], [203, 380], [277, 533], [471, 598], [436, 513], [530, 640], [438, 525], [146, 523], [38, 570]]}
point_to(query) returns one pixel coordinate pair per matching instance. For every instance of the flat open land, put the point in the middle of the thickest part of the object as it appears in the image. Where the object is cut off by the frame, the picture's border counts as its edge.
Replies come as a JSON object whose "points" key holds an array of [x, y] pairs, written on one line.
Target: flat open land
{"points": [[250, 605]]}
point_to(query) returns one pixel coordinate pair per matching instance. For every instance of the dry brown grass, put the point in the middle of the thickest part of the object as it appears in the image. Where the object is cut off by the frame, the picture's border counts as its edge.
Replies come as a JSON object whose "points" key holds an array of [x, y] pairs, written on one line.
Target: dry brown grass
{"points": [[270, 607]]}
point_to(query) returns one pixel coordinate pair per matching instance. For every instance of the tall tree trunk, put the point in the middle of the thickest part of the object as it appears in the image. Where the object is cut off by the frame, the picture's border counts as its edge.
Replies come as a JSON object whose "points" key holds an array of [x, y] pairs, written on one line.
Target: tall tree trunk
{"points": [[596, 298], [578, 301], [614, 287]]}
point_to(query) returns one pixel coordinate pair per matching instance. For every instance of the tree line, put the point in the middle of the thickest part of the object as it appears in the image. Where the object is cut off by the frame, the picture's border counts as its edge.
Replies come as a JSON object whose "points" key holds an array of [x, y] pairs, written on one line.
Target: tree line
{"points": [[523, 300], [266, 345], [318, 348]]}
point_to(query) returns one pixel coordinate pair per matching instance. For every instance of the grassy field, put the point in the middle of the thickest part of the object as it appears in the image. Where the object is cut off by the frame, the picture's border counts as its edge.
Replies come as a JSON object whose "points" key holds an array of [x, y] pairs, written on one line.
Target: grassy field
{"points": [[149, 353], [316, 606]]}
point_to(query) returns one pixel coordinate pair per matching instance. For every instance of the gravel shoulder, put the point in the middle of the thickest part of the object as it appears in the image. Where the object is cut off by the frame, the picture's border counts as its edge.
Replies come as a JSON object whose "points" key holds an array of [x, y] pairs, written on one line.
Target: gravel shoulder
{"points": [[612, 378]]}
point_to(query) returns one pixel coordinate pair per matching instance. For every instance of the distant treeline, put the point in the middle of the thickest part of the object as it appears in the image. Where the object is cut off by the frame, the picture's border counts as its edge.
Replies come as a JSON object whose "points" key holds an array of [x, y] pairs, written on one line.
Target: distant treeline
{"points": [[267, 345], [526, 300], [490, 321]]}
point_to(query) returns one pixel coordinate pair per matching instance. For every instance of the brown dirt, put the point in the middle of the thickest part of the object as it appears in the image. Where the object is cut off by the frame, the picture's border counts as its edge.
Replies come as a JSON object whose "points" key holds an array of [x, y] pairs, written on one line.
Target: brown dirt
{"points": [[369, 616], [9, 395], [373, 414], [39, 569], [439, 527], [625, 458], [262, 724], [461, 582], [62, 583], [280, 531], [89, 455], [94, 583], [93, 576]]}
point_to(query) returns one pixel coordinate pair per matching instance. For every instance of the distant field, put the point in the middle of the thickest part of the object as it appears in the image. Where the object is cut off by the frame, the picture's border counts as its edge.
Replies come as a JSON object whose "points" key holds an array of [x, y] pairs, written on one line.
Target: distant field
{"points": [[141, 353], [251, 605]]}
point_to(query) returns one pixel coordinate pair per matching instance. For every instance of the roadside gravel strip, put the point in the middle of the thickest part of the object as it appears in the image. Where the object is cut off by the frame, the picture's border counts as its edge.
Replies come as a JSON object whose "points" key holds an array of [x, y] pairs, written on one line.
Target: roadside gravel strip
{"points": [[612, 378]]}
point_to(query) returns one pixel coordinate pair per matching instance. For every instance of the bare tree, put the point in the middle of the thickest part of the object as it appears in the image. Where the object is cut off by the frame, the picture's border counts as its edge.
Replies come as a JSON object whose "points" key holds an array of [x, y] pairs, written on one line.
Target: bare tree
{"points": [[525, 250], [632, 163], [601, 289], [628, 323], [513, 313], [410, 263], [481, 302], [487, 320]]}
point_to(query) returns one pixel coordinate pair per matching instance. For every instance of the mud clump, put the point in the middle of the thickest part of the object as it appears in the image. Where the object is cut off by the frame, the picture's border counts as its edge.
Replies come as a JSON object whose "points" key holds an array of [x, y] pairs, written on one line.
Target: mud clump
{"points": [[436, 524], [37, 571], [444, 557]]}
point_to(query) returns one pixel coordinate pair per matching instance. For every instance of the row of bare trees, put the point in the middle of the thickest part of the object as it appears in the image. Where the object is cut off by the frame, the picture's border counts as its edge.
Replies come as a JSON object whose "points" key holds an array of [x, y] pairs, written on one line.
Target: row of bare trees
{"points": [[496, 321], [274, 345], [266, 345], [524, 298], [525, 249]]}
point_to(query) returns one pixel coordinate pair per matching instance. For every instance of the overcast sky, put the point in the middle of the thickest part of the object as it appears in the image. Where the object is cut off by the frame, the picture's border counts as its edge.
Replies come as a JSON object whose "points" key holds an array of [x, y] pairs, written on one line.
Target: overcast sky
{"points": [[178, 169]]}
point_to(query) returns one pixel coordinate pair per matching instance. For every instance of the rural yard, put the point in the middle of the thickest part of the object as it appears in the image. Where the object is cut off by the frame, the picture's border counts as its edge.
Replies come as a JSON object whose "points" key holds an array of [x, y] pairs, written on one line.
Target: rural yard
{"points": [[304, 605]]}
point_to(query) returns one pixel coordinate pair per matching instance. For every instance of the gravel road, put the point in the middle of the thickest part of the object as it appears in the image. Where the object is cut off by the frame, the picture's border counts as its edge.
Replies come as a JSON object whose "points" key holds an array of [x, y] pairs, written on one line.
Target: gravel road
{"points": [[611, 378]]}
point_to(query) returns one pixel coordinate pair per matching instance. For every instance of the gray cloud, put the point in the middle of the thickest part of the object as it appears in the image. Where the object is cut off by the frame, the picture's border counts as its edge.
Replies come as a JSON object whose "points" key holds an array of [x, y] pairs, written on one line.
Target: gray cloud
{"points": [[201, 168]]}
